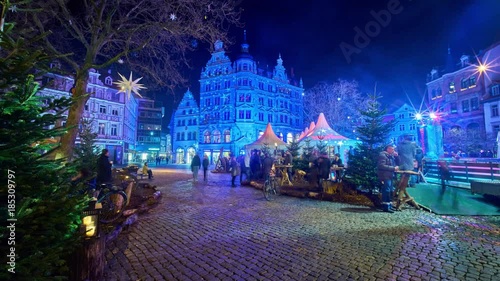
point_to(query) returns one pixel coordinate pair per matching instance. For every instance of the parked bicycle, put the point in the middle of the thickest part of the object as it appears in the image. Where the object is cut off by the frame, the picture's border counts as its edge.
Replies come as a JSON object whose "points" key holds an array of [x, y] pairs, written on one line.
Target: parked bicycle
{"points": [[111, 198], [271, 188]]}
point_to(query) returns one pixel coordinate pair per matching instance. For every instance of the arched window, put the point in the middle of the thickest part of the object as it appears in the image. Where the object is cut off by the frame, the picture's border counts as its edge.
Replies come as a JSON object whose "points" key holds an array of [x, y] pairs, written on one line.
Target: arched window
{"points": [[108, 80], [227, 136], [206, 137], [216, 136]]}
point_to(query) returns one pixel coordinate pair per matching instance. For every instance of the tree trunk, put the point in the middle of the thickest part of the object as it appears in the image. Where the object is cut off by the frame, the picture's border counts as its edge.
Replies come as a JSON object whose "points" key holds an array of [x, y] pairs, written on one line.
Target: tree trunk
{"points": [[74, 116]]}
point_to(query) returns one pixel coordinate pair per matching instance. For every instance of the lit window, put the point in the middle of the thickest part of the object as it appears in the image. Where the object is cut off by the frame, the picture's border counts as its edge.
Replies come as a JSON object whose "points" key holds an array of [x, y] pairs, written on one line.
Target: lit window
{"points": [[227, 136], [216, 136], [102, 129], [452, 87], [206, 137]]}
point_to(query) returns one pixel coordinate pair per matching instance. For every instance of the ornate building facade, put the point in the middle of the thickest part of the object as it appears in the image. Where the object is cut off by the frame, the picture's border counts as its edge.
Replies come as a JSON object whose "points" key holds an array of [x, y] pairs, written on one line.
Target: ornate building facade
{"points": [[464, 98], [113, 117], [237, 100]]}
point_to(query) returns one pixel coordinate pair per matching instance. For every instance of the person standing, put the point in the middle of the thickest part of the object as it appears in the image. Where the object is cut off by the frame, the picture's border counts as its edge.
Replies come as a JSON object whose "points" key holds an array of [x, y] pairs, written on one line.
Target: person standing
{"points": [[104, 168], [323, 163], [386, 166], [243, 167], [205, 166], [337, 163], [195, 166], [267, 165], [407, 149]]}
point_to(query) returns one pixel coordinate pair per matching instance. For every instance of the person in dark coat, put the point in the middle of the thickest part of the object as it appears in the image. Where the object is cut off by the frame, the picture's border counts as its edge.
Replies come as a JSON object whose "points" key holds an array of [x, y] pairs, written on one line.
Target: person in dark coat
{"points": [[205, 167], [267, 165], [337, 162], [255, 164], [104, 168], [235, 169], [323, 163], [386, 166], [243, 168], [195, 166]]}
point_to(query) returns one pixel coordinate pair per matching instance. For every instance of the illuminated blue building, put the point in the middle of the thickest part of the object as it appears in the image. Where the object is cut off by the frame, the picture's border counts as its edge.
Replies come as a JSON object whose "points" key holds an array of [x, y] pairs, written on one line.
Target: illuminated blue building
{"points": [[237, 100]]}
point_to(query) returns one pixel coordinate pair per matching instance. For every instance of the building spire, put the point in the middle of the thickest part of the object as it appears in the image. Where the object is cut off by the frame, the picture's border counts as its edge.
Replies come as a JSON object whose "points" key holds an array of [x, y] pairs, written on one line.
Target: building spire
{"points": [[244, 45]]}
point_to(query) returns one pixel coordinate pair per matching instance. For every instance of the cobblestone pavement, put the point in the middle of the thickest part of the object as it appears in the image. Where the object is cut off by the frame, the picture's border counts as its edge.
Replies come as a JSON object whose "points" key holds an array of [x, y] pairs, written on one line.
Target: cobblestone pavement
{"points": [[214, 232]]}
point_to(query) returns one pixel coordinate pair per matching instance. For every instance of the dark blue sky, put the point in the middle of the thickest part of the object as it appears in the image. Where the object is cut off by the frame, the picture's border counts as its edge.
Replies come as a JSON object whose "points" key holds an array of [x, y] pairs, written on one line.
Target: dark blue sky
{"points": [[398, 57]]}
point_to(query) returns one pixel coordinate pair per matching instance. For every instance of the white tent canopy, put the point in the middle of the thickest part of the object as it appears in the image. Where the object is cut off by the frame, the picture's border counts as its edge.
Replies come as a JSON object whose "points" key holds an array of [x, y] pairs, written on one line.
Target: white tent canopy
{"points": [[269, 138]]}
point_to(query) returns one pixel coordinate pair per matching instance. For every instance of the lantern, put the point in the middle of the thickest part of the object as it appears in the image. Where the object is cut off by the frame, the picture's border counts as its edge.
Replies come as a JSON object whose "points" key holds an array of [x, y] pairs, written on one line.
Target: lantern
{"points": [[90, 221]]}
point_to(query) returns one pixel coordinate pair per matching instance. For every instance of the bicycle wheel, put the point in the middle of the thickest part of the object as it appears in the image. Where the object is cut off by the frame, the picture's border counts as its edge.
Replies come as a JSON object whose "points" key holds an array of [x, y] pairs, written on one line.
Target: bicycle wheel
{"points": [[267, 189], [113, 204]]}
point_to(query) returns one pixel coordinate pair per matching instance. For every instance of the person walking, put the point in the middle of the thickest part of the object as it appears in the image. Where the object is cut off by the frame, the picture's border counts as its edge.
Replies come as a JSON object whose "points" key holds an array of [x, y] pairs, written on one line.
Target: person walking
{"points": [[235, 169], [205, 166], [104, 168], [195, 166], [386, 166]]}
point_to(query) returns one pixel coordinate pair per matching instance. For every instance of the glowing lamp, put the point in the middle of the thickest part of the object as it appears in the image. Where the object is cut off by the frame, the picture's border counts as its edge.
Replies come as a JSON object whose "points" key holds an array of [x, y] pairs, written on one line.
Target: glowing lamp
{"points": [[433, 115], [418, 116], [90, 221]]}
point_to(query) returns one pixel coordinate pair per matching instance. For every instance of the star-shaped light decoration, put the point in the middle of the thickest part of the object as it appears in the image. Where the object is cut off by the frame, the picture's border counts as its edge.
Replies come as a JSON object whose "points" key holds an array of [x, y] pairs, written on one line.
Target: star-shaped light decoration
{"points": [[128, 86], [172, 17], [13, 8]]}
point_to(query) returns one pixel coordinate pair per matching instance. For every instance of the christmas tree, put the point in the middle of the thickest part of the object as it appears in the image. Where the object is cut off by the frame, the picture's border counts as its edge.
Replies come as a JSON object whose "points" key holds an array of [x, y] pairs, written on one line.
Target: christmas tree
{"points": [[44, 219], [372, 133]]}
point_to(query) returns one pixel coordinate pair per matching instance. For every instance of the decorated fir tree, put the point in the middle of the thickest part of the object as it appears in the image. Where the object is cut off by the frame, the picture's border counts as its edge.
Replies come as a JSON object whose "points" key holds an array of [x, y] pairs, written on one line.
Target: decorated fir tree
{"points": [[294, 148], [45, 218], [307, 150], [372, 133], [87, 152], [322, 146]]}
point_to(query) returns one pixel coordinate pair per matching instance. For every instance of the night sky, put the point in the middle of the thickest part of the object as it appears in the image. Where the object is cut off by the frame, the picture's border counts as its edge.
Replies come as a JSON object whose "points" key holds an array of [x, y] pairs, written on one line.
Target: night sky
{"points": [[308, 34]]}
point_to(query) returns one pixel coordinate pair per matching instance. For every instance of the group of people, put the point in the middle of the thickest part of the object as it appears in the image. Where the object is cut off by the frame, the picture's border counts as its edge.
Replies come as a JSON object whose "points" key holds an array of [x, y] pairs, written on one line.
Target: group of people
{"points": [[390, 161]]}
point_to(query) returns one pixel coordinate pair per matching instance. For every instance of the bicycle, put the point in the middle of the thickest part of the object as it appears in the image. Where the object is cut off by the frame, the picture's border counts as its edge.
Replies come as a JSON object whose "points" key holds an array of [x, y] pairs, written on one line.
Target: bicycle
{"points": [[271, 188], [111, 198]]}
